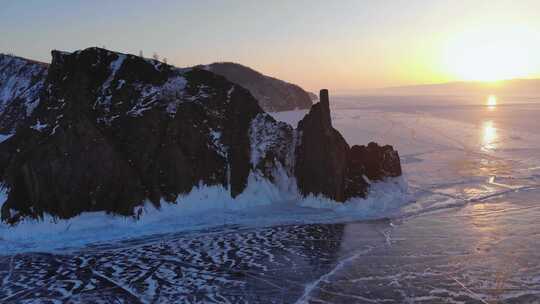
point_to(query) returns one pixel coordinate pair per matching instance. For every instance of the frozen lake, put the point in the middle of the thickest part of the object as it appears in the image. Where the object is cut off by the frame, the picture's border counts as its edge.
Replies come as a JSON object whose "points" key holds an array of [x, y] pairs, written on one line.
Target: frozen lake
{"points": [[467, 231]]}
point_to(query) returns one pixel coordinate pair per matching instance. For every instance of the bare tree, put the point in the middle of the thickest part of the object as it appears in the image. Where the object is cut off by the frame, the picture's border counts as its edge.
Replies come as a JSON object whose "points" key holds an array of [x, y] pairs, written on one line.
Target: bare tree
{"points": [[155, 56]]}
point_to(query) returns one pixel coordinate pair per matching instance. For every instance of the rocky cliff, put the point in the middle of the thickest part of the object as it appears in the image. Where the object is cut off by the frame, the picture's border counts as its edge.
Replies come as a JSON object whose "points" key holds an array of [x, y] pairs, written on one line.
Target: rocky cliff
{"points": [[110, 131], [273, 94], [21, 80], [325, 164]]}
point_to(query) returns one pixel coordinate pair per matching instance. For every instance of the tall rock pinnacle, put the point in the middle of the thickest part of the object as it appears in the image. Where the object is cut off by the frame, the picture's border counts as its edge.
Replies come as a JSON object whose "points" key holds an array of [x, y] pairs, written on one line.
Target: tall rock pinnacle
{"points": [[326, 119], [321, 156]]}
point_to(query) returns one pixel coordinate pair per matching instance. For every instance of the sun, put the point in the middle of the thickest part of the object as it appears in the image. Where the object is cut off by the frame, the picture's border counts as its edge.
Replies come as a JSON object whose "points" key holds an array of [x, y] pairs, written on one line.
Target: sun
{"points": [[491, 54]]}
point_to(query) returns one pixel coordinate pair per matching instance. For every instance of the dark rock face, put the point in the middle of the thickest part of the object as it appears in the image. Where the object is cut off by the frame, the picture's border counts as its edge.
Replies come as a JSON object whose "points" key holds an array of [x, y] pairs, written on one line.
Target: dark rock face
{"points": [[378, 162], [371, 163], [108, 131], [273, 94], [326, 165], [112, 130], [21, 81], [321, 156]]}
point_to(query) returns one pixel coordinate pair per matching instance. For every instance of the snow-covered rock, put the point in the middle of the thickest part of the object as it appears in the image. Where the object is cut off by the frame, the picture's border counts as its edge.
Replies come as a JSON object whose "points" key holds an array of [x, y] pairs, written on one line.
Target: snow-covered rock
{"points": [[272, 144], [113, 131], [21, 81]]}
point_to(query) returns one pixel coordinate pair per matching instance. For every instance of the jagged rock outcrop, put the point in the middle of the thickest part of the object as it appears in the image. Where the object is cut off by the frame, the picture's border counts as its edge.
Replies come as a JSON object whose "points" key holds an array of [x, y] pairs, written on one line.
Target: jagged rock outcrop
{"points": [[369, 163], [321, 156], [273, 94], [110, 131], [326, 165], [378, 162], [21, 81]]}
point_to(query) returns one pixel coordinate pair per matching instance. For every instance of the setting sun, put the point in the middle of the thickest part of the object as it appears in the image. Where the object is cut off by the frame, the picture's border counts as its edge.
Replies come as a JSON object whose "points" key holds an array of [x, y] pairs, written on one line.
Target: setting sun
{"points": [[492, 53]]}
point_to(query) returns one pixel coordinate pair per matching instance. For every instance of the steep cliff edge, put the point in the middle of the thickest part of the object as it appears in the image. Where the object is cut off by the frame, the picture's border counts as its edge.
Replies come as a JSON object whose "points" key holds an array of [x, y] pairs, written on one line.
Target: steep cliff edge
{"points": [[325, 164], [111, 131]]}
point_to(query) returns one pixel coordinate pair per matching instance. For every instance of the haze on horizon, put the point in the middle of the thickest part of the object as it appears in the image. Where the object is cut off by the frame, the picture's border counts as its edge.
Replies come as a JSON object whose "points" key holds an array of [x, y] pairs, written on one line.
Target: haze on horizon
{"points": [[345, 46]]}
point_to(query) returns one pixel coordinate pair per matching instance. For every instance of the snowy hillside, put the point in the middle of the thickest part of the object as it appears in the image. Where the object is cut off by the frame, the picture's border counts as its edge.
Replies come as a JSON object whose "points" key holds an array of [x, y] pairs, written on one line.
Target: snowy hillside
{"points": [[21, 81]]}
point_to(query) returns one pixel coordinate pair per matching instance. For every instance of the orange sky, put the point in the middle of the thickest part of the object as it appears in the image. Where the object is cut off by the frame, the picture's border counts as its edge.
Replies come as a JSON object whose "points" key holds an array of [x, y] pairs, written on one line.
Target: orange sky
{"points": [[345, 46]]}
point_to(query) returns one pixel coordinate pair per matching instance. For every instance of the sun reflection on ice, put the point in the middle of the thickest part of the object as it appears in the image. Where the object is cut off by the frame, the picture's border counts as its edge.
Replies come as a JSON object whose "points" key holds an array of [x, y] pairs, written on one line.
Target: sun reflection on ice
{"points": [[491, 102], [489, 136]]}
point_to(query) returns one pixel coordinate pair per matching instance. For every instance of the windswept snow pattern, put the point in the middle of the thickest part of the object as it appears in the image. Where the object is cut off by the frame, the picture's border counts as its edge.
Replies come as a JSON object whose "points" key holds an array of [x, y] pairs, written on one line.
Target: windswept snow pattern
{"points": [[168, 95], [381, 261], [232, 266], [460, 227]]}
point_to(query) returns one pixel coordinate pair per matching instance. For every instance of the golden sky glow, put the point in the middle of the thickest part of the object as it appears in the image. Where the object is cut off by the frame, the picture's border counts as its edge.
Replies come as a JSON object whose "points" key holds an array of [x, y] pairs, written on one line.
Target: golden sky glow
{"points": [[345, 45], [493, 52]]}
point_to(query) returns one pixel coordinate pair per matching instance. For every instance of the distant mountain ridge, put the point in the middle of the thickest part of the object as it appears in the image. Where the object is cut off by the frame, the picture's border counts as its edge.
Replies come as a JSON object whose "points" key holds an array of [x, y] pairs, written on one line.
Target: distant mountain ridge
{"points": [[273, 94], [511, 87]]}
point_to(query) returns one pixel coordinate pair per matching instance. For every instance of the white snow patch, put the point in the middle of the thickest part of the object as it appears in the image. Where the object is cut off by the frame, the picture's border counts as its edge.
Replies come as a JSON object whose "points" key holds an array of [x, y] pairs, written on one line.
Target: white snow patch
{"points": [[17, 81], [114, 66], [39, 126], [266, 135], [229, 93], [172, 90], [117, 64], [4, 137], [3, 196]]}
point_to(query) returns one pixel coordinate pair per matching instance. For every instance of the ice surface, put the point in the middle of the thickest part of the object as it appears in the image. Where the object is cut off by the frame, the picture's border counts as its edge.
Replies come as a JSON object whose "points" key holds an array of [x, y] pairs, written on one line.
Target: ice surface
{"points": [[447, 162], [460, 227]]}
